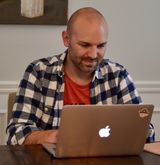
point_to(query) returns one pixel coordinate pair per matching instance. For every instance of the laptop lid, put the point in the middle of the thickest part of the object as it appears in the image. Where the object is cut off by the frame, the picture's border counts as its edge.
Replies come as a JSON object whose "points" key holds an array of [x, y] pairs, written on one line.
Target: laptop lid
{"points": [[103, 130]]}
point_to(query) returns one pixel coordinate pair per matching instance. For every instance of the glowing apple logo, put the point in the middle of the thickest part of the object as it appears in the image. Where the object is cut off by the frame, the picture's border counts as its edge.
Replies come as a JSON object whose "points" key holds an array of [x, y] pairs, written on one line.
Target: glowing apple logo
{"points": [[104, 132]]}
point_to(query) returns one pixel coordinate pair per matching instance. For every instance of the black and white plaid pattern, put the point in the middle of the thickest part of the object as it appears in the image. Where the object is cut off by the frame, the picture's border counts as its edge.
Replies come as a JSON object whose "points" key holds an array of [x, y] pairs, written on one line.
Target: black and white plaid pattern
{"points": [[39, 99]]}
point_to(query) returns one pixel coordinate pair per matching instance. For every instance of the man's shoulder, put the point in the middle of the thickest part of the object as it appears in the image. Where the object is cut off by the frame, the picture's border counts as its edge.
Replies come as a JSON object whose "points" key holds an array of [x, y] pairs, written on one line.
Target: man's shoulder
{"points": [[48, 62], [108, 64]]}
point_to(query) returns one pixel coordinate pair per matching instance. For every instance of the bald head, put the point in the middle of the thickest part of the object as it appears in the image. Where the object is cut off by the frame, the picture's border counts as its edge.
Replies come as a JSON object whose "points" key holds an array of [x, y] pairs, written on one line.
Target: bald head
{"points": [[86, 15], [86, 39]]}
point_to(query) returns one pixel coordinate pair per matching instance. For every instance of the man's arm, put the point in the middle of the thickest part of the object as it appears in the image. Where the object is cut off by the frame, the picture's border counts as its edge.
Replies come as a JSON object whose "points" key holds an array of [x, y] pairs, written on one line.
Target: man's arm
{"points": [[129, 95], [151, 134], [28, 111], [42, 136]]}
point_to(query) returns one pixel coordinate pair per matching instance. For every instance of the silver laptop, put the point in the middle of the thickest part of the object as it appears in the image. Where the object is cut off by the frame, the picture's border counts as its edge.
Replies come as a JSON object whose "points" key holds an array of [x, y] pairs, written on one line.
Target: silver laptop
{"points": [[102, 130]]}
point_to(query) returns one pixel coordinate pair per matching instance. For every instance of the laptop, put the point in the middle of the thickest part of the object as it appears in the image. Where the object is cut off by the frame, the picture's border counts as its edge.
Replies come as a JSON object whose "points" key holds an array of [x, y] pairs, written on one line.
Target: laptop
{"points": [[102, 130]]}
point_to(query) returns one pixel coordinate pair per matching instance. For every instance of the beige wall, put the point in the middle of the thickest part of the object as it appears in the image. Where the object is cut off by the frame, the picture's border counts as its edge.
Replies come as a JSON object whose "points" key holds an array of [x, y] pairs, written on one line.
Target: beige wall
{"points": [[134, 41]]}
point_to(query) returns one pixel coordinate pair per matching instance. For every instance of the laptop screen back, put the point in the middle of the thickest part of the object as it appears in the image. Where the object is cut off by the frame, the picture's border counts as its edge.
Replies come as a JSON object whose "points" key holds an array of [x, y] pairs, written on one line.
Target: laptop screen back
{"points": [[101, 130]]}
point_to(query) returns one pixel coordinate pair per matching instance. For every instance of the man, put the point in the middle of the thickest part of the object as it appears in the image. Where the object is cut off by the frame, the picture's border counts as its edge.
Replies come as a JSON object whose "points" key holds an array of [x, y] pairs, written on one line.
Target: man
{"points": [[78, 76]]}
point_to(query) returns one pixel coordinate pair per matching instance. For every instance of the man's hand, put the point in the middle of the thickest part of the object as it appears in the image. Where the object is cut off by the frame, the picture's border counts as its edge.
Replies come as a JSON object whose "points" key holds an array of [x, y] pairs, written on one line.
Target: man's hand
{"points": [[39, 137]]}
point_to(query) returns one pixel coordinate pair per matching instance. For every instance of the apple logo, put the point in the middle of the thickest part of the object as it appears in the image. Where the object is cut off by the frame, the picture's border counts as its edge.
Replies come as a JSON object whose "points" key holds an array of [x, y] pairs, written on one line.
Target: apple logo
{"points": [[104, 132]]}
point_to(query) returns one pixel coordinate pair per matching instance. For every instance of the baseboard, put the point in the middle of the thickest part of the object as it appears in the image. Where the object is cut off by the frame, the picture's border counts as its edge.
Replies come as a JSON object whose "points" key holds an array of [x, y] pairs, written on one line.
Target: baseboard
{"points": [[149, 90], [148, 86], [142, 86], [8, 86]]}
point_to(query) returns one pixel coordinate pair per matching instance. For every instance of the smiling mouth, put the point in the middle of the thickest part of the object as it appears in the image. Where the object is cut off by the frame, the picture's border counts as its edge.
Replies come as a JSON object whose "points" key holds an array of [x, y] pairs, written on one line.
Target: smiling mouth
{"points": [[90, 63]]}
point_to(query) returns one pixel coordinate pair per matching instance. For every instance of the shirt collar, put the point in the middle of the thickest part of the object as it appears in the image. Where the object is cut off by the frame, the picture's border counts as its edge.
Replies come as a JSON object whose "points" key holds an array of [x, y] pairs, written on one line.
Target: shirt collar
{"points": [[60, 66], [98, 72]]}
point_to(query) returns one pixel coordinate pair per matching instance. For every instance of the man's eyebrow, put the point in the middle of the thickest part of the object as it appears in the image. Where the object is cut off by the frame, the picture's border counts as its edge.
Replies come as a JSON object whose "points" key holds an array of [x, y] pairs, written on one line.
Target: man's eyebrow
{"points": [[83, 42], [87, 43], [103, 43]]}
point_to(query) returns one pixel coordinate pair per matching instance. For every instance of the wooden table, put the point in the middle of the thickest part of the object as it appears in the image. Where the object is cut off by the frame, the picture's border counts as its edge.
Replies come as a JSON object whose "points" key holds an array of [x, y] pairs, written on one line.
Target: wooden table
{"points": [[36, 155]]}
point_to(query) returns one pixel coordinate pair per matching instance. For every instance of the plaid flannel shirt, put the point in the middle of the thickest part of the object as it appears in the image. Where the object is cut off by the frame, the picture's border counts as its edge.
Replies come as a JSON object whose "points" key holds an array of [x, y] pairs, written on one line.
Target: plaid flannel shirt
{"points": [[39, 99]]}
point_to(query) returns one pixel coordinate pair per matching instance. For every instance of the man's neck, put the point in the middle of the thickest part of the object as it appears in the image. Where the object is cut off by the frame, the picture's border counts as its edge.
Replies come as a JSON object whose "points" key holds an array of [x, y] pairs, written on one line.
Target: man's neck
{"points": [[78, 76]]}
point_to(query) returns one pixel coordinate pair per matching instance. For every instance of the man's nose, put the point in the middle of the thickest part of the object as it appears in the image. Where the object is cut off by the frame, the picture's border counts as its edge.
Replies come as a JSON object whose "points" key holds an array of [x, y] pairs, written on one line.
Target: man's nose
{"points": [[93, 52]]}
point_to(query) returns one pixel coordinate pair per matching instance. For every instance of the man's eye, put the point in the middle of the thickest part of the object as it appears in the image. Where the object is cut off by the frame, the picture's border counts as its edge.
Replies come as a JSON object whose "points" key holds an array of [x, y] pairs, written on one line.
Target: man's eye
{"points": [[85, 46], [101, 46]]}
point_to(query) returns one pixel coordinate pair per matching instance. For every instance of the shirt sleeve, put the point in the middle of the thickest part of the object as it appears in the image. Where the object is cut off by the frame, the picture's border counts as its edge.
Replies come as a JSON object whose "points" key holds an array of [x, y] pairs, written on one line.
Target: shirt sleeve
{"points": [[128, 94], [151, 134], [27, 109]]}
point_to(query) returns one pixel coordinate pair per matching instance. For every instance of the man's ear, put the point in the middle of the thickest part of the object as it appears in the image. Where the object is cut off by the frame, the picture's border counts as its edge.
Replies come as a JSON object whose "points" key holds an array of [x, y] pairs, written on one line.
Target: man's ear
{"points": [[65, 38]]}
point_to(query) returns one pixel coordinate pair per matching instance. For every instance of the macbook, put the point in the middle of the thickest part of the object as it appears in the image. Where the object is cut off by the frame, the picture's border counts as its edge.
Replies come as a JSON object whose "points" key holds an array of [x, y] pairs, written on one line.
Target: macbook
{"points": [[102, 130]]}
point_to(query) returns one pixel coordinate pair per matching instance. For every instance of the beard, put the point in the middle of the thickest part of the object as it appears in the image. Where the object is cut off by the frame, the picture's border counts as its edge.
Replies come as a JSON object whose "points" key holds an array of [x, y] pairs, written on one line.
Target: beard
{"points": [[85, 64]]}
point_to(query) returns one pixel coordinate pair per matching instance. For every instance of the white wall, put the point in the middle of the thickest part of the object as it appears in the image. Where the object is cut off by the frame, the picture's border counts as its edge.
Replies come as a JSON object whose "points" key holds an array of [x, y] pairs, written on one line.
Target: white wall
{"points": [[134, 41]]}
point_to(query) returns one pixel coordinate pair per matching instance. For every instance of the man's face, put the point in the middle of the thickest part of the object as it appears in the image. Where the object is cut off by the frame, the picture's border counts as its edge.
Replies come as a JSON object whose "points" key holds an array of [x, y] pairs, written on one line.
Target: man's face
{"points": [[86, 46]]}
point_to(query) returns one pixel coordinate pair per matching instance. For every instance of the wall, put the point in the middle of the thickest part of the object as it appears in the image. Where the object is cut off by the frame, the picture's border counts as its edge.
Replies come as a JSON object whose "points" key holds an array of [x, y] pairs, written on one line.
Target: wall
{"points": [[134, 41]]}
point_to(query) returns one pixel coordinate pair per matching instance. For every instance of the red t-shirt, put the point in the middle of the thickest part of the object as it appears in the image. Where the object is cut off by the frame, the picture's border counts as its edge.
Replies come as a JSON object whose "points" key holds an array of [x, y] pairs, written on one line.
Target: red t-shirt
{"points": [[75, 93]]}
